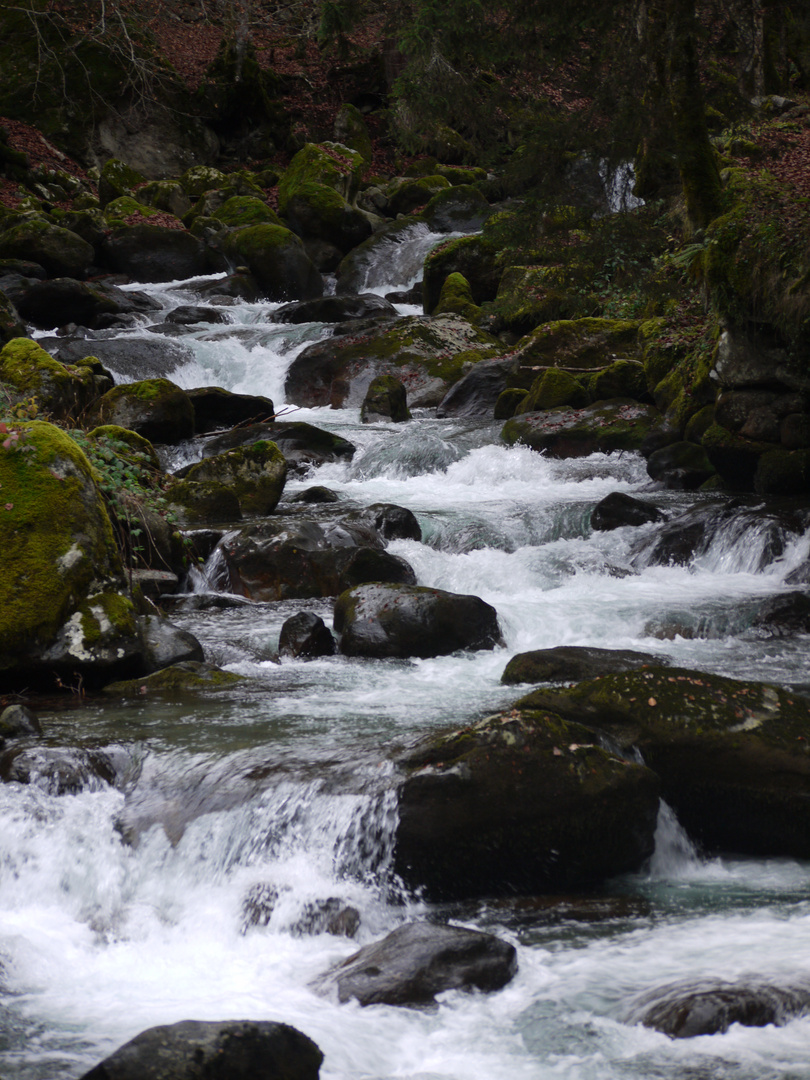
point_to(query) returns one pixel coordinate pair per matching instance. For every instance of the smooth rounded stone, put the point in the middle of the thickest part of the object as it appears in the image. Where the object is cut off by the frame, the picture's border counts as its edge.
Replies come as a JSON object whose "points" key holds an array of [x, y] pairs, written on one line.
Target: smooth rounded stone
{"points": [[61, 391], [419, 960], [255, 474], [153, 253], [336, 309], [203, 502], [477, 392], [390, 521], [157, 409], [318, 494], [17, 721], [216, 409], [572, 663], [276, 258], [294, 559], [520, 803], [619, 509], [305, 636], [239, 285], [130, 359], [165, 644], [606, 427], [64, 300], [387, 620], [331, 916], [507, 403], [732, 756], [552, 389], [214, 1050], [189, 314], [60, 252], [301, 444], [386, 399], [155, 583], [64, 770], [186, 675], [710, 1006], [461, 208], [784, 616], [681, 466]]}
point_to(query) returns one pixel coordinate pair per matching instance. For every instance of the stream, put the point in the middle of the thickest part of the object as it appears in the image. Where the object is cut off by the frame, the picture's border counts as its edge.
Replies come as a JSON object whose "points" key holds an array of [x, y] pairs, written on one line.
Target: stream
{"points": [[123, 908]]}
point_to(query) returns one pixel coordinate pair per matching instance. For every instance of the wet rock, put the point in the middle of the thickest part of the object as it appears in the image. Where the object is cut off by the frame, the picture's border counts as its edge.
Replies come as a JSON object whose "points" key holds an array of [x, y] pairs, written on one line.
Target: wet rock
{"points": [[157, 409], [520, 803], [255, 474], [305, 636], [477, 392], [258, 905], [386, 399], [186, 675], [27, 371], [17, 721], [359, 269], [681, 466], [387, 620], [52, 303], [331, 916], [552, 389], [285, 560], [419, 960], [316, 495], [155, 583], [710, 1006], [219, 1050], [390, 521], [129, 359], [58, 251], [63, 770], [190, 314], [461, 208], [203, 502], [336, 309], [732, 756], [784, 616], [572, 663], [147, 252], [276, 258], [165, 644], [618, 509], [563, 432], [301, 444]]}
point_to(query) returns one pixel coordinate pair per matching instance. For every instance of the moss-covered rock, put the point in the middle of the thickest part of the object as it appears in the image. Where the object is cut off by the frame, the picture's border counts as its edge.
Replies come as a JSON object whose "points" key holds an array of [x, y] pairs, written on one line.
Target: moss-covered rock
{"points": [[508, 403], [11, 325], [150, 252], [59, 390], [201, 178], [552, 389], [329, 164], [117, 179], [572, 663], [518, 804], [471, 256], [203, 502], [622, 378], [255, 474], [187, 676], [60, 252], [167, 196], [733, 757], [460, 208], [605, 427], [157, 409], [735, 458], [246, 210], [783, 472], [386, 399], [318, 212], [580, 344], [277, 259], [683, 466], [456, 298], [428, 355], [529, 296], [409, 195], [351, 131]]}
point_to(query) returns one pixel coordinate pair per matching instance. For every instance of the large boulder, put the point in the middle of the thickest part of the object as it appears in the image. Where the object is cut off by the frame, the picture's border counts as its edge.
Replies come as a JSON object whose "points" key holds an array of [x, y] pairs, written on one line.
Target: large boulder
{"points": [[53, 303], [461, 208], [215, 409], [732, 756], [524, 802], [419, 960], [60, 252], [477, 392], [427, 354], [572, 663], [619, 509], [256, 474], [214, 1050], [62, 613], [305, 636], [285, 560], [384, 620], [157, 409], [302, 445], [277, 260], [605, 427], [60, 390], [392, 246], [128, 358], [149, 252], [11, 324], [386, 399], [582, 345], [336, 309]]}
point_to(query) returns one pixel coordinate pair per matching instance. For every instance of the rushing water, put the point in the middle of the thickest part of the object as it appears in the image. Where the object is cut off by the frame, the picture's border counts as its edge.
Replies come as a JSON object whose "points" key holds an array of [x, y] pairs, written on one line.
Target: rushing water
{"points": [[284, 783]]}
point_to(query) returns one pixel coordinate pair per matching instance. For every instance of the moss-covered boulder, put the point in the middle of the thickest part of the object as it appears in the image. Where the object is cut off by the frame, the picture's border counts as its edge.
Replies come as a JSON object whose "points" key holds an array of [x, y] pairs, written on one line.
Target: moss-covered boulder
{"points": [[582, 345], [351, 131], [508, 402], [201, 178], [386, 399], [471, 256], [460, 208], [605, 427], [553, 388], [184, 677], [303, 445], [682, 466], [53, 303], [316, 195], [149, 252], [11, 325], [426, 354], [167, 196], [572, 663], [521, 803], [783, 472], [215, 409], [203, 502], [255, 474], [117, 179], [386, 620], [60, 252], [61, 609], [735, 458], [456, 298], [622, 378], [529, 296], [157, 409], [277, 259], [59, 390], [406, 196], [329, 164], [733, 757], [242, 210]]}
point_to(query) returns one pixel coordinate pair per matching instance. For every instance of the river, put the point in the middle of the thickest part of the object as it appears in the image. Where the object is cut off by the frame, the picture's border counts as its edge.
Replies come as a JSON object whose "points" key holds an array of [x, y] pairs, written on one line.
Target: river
{"points": [[284, 783]]}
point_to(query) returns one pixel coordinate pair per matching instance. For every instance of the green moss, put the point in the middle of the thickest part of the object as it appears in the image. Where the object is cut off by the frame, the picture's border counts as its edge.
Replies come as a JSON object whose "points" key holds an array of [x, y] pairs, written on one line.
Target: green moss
{"points": [[456, 298], [551, 389], [328, 164], [118, 212], [190, 676], [106, 615], [245, 210], [141, 447], [201, 178], [508, 403]]}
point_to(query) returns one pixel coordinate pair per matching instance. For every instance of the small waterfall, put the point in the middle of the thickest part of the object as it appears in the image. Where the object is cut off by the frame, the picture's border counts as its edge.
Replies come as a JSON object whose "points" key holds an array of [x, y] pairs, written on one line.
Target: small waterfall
{"points": [[675, 854]]}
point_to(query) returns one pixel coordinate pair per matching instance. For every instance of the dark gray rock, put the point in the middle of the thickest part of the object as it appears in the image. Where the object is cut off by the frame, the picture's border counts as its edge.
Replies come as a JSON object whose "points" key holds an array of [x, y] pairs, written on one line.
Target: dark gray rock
{"points": [[386, 399], [63, 770], [477, 392], [418, 961], [331, 916], [165, 644], [388, 620], [189, 314], [390, 521], [129, 358], [784, 616], [153, 253], [316, 494], [572, 663], [681, 466], [211, 1050], [301, 444], [305, 636], [618, 509], [17, 721], [336, 309]]}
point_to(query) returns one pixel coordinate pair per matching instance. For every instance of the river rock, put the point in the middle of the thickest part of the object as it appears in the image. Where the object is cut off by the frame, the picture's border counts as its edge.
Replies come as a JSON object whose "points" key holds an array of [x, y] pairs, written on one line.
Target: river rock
{"points": [[572, 663], [384, 620], [606, 427], [477, 392], [17, 721], [710, 1006], [681, 466], [733, 757], [215, 409], [302, 445], [147, 252], [11, 324], [185, 676], [219, 1050], [64, 770], [52, 303], [390, 521], [58, 251], [619, 509], [747, 359], [424, 353], [330, 916], [305, 636], [520, 803], [128, 358], [60, 390], [256, 475], [285, 560], [166, 644], [336, 309], [784, 615], [277, 260], [386, 399], [580, 345], [358, 271], [461, 208], [419, 960], [157, 409]]}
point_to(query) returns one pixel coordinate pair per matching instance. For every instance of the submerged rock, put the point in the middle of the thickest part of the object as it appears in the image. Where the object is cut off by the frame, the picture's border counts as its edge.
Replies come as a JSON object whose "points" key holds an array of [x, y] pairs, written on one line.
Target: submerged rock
{"points": [[387, 620], [330, 916], [219, 1050], [523, 802], [185, 675], [418, 961], [619, 509]]}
